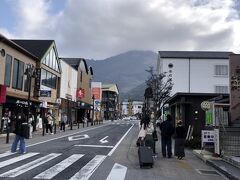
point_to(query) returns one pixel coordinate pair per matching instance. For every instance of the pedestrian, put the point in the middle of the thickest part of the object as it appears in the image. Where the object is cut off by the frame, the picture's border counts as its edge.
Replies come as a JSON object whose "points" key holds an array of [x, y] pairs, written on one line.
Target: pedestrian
{"points": [[180, 134], [49, 123], [63, 122], [167, 131], [20, 134]]}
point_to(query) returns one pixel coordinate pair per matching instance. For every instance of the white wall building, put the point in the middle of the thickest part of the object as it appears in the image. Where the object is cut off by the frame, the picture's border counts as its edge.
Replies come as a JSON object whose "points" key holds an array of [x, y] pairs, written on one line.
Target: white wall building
{"points": [[125, 106], [196, 71], [68, 82], [137, 107]]}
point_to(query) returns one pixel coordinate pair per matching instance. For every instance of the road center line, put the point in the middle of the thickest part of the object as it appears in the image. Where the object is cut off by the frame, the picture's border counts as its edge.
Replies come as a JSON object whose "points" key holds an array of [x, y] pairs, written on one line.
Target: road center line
{"points": [[115, 147]]}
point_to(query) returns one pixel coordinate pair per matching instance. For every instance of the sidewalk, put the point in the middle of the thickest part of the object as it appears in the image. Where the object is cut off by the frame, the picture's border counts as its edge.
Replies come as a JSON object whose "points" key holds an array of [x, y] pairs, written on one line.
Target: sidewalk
{"points": [[229, 170], [37, 135]]}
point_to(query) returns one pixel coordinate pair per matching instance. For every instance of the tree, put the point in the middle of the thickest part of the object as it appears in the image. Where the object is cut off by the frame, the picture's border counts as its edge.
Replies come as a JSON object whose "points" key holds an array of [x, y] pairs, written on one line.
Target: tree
{"points": [[161, 86]]}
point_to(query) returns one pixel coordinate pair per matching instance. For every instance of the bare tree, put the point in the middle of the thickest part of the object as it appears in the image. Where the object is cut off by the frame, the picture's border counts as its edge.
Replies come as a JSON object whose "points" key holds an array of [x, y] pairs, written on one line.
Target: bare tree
{"points": [[161, 86]]}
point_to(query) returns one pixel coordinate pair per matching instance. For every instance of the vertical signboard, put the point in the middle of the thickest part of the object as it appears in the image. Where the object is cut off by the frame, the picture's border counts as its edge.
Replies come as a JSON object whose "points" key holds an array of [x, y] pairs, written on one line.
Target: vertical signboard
{"points": [[97, 93], [38, 78], [234, 86]]}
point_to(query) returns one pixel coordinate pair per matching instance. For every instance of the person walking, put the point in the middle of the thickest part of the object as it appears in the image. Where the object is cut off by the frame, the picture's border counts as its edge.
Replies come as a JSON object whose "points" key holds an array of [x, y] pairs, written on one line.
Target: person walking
{"points": [[49, 123], [180, 132], [63, 122], [20, 134], [167, 131]]}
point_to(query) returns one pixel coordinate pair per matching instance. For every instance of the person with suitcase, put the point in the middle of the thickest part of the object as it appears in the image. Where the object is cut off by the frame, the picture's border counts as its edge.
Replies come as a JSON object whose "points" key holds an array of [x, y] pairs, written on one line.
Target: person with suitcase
{"points": [[22, 132]]}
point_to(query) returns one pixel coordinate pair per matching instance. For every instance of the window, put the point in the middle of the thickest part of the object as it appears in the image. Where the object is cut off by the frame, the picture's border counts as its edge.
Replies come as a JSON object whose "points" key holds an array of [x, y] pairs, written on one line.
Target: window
{"points": [[221, 89], [26, 79], [48, 79], [51, 60], [8, 70], [18, 68], [221, 70]]}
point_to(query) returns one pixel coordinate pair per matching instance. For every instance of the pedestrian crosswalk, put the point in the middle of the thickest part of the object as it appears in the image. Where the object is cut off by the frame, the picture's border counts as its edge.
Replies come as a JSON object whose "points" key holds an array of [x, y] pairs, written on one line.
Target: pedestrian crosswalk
{"points": [[34, 165]]}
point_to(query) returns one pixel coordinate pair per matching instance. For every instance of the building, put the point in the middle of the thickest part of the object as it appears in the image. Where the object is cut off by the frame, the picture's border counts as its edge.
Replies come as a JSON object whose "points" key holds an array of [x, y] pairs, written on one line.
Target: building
{"points": [[137, 107], [14, 63], [125, 108], [68, 91], [110, 96], [83, 91], [48, 70], [196, 71], [197, 76], [97, 98]]}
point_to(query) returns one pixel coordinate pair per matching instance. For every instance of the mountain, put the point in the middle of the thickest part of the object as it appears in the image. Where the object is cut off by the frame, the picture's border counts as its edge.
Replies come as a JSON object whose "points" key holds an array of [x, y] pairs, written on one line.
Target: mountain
{"points": [[127, 70]]}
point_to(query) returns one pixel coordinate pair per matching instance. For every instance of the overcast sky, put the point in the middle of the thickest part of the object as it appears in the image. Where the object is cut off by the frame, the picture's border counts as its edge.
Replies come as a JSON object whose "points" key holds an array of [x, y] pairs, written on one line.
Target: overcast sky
{"points": [[102, 28]]}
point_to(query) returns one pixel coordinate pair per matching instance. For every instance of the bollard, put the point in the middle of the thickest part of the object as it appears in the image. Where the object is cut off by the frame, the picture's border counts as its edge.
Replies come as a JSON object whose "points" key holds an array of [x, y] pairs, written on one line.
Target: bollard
{"points": [[43, 127], [71, 126], [83, 124], [78, 125], [55, 128], [7, 137]]}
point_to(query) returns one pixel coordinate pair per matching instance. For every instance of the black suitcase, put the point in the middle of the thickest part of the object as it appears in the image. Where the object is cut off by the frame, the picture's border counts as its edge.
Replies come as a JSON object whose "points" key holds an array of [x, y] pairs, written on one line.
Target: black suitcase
{"points": [[145, 155]]}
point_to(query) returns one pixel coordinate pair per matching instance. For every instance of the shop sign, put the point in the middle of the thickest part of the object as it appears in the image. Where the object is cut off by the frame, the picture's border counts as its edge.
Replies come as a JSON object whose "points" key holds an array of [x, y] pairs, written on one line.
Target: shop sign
{"points": [[43, 104], [25, 103], [208, 137], [3, 93], [45, 93], [216, 141], [38, 78], [96, 92], [80, 93]]}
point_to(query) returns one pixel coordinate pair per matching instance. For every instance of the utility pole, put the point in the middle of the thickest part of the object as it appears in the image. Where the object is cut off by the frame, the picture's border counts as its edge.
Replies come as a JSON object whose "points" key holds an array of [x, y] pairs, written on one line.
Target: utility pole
{"points": [[93, 98]]}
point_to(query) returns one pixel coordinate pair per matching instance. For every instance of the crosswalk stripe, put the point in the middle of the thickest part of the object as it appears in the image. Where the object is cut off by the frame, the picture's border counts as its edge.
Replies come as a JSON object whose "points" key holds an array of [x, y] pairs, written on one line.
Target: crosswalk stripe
{"points": [[22, 169], [6, 154], [118, 172], [86, 172], [17, 159], [53, 171]]}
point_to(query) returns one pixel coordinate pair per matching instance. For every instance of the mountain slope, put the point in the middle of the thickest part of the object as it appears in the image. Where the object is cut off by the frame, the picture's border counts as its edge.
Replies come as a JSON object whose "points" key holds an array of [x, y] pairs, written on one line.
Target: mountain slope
{"points": [[127, 70]]}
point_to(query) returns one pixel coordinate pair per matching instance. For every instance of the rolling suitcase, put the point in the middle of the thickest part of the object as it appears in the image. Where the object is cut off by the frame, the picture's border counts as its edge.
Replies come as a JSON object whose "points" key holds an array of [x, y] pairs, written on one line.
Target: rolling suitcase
{"points": [[145, 156]]}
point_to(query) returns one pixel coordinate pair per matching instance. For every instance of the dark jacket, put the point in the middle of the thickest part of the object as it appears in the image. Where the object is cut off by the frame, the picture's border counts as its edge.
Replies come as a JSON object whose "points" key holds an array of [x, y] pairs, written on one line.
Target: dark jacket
{"points": [[180, 132], [167, 129], [18, 126]]}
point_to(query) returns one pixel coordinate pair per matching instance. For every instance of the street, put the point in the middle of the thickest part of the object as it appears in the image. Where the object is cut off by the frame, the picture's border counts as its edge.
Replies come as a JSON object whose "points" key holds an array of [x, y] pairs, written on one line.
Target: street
{"points": [[100, 152]]}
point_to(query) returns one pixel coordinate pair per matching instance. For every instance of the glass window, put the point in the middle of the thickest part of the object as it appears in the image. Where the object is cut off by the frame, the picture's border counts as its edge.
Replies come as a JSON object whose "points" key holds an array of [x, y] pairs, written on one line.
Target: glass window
{"points": [[26, 79], [54, 81], [8, 70], [221, 70], [54, 61], [44, 77], [20, 75], [49, 79], [50, 59], [18, 72], [221, 89], [47, 60]]}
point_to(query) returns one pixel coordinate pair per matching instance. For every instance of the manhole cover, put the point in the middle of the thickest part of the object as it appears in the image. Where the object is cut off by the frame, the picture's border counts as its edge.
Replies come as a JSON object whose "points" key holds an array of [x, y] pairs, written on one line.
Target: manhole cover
{"points": [[208, 172]]}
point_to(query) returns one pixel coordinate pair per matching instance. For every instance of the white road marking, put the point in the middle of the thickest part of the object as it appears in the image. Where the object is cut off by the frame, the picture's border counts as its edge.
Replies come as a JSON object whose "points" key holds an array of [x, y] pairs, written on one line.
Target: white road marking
{"points": [[103, 140], [86, 172], [17, 159], [78, 137], [22, 169], [115, 147], [53, 171], [8, 153], [118, 172], [66, 135], [81, 145]]}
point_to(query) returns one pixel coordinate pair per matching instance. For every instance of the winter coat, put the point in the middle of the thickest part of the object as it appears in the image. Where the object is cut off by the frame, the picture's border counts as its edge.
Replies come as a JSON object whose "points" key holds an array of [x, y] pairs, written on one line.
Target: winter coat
{"points": [[18, 126], [167, 129]]}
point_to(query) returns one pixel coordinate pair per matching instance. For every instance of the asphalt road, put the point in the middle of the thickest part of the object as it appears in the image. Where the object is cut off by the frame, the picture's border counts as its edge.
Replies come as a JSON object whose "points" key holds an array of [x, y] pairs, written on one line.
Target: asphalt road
{"points": [[75, 156], [98, 153]]}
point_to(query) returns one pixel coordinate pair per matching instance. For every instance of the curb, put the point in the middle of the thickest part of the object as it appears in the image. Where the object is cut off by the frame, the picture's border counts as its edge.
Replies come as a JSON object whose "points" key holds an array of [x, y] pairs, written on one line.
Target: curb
{"points": [[222, 170]]}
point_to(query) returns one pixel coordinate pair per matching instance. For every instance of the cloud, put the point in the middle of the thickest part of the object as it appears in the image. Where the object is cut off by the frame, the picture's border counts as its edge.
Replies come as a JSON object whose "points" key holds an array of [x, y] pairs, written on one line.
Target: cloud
{"points": [[99, 29]]}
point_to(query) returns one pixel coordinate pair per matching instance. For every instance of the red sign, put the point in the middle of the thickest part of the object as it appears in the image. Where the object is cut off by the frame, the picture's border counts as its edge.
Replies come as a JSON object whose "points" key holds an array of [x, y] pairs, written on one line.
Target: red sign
{"points": [[96, 92], [3, 93], [80, 93]]}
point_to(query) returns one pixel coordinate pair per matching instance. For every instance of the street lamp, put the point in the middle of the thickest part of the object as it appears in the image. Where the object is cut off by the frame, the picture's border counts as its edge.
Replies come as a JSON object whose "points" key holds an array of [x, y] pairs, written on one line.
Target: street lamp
{"points": [[93, 98], [29, 73]]}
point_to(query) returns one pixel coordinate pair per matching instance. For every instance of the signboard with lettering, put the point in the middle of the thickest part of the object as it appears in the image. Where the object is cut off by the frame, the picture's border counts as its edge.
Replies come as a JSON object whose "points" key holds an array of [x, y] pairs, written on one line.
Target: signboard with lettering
{"points": [[234, 86], [45, 93], [80, 93], [38, 78], [3, 93], [207, 137]]}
